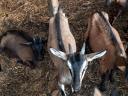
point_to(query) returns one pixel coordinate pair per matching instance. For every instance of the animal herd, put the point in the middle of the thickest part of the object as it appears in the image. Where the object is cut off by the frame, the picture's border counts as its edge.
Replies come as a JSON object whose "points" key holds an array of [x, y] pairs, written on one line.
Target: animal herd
{"points": [[71, 65]]}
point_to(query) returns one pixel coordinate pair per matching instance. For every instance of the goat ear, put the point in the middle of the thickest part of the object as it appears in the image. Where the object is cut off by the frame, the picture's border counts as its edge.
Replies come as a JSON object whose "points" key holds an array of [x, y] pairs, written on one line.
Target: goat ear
{"points": [[95, 55], [97, 92], [26, 43], [83, 49], [58, 53]]}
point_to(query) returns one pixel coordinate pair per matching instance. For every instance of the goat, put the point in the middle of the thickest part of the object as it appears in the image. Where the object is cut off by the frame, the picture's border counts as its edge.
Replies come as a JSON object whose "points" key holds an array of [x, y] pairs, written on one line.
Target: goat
{"points": [[14, 41], [102, 36], [71, 65], [122, 5], [37, 44]]}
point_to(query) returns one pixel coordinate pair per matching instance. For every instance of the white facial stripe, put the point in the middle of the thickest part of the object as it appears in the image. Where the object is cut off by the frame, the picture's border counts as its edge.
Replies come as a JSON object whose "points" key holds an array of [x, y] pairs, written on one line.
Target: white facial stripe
{"points": [[69, 65], [72, 89], [62, 87], [83, 73], [83, 69], [83, 49]]}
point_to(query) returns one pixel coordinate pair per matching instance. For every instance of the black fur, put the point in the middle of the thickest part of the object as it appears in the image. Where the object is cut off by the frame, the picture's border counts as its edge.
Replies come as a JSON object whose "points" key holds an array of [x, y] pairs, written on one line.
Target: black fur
{"points": [[76, 61], [59, 31], [38, 47], [102, 85]]}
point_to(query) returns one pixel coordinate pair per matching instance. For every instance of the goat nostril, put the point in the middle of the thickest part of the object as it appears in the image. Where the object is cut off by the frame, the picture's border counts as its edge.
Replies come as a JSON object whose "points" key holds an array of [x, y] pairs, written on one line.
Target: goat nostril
{"points": [[77, 89]]}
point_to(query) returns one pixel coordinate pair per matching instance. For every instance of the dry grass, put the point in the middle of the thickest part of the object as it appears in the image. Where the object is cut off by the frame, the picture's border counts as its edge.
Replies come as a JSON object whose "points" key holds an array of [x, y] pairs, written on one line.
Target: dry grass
{"points": [[32, 16]]}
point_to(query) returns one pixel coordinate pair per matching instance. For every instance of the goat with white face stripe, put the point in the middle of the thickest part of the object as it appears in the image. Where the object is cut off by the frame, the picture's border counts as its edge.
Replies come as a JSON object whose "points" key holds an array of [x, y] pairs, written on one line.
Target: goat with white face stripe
{"points": [[77, 64], [71, 66]]}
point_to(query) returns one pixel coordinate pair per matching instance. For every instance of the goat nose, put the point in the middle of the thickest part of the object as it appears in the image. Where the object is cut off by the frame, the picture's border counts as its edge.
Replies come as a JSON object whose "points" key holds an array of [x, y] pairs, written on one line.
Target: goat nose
{"points": [[77, 89], [40, 58]]}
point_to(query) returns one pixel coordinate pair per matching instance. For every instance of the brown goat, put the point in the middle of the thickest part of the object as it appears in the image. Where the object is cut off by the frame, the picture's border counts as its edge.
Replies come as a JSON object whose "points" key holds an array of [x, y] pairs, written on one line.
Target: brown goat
{"points": [[70, 65], [13, 41], [102, 36]]}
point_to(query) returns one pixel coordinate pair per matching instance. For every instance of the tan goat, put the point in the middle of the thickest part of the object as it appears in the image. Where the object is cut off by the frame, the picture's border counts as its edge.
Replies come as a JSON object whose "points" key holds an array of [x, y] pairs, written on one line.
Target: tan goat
{"points": [[71, 65]]}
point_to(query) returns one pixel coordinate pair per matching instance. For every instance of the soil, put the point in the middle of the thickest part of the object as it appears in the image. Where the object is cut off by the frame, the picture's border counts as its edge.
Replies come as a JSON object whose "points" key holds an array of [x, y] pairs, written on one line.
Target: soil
{"points": [[32, 16]]}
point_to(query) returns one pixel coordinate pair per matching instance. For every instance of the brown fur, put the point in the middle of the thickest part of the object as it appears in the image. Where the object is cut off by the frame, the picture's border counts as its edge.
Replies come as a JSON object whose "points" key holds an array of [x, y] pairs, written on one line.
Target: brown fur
{"points": [[99, 39], [12, 41]]}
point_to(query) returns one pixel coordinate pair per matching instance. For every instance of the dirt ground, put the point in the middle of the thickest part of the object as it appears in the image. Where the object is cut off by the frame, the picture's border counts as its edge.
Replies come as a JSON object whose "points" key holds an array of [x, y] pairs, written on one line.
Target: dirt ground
{"points": [[32, 16]]}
